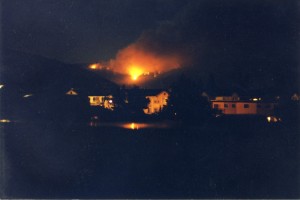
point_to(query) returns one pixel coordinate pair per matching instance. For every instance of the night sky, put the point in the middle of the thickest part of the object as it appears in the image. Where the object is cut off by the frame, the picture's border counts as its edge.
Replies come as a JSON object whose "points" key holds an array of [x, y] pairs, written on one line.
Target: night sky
{"points": [[55, 145], [249, 42]]}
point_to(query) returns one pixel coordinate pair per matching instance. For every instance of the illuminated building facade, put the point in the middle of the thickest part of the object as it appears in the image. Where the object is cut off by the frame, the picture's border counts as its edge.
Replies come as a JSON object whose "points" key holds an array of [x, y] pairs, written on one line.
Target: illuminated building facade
{"points": [[156, 102], [103, 101], [231, 105]]}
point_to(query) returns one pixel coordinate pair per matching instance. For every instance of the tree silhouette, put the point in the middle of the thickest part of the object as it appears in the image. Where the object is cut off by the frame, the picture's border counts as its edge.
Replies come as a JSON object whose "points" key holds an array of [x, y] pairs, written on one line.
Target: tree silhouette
{"points": [[186, 103], [137, 100]]}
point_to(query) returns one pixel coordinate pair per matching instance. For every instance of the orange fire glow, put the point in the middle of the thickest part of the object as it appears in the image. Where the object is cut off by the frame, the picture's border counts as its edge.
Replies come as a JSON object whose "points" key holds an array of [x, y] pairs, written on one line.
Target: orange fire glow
{"points": [[94, 66], [134, 60], [135, 72]]}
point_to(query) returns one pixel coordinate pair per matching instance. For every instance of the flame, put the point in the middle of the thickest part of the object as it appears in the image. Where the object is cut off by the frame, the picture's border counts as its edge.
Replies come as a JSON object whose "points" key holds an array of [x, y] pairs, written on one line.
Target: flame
{"points": [[135, 72], [95, 66], [136, 60]]}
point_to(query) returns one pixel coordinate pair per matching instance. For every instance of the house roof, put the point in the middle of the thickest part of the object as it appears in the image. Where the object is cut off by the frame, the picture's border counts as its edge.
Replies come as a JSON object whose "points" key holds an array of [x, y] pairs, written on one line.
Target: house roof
{"points": [[243, 101]]}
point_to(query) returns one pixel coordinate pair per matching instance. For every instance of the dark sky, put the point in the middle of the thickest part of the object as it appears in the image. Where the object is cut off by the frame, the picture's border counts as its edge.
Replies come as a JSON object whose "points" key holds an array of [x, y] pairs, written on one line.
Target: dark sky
{"points": [[246, 39], [80, 30]]}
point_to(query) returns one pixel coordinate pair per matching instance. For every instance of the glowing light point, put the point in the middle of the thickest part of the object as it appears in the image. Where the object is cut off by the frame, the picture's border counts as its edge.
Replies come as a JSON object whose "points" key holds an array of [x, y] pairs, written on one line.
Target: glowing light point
{"points": [[27, 95], [95, 66], [134, 126], [4, 121]]}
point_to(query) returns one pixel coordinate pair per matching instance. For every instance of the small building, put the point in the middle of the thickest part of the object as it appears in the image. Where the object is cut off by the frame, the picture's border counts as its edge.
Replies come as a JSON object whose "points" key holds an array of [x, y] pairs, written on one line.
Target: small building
{"points": [[295, 97], [106, 102], [105, 99], [230, 105], [72, 92], [157, 100]]}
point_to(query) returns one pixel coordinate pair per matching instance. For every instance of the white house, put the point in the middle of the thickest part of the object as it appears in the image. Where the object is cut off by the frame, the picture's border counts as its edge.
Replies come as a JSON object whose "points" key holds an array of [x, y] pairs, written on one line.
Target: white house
{"points": [[103, 101], [156, 102], [230, 105]]}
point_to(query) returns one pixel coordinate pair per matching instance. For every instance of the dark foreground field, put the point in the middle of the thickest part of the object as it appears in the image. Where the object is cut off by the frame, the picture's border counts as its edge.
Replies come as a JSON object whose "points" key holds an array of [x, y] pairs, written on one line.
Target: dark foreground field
{"points": [[46, 160]]}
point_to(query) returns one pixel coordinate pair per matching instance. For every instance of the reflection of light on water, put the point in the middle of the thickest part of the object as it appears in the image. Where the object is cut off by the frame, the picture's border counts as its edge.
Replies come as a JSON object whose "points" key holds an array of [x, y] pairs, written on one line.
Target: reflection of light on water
{"points": [[134, 126], [273, 119], [129, 125], [27, 95], [93, 124], [137, 126], [4, 121]]}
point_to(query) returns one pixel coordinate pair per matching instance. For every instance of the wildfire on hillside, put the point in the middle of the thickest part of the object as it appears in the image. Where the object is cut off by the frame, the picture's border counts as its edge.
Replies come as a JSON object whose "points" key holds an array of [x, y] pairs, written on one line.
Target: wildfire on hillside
{"points": [[135, 62], [98, 66], [155, 51]]}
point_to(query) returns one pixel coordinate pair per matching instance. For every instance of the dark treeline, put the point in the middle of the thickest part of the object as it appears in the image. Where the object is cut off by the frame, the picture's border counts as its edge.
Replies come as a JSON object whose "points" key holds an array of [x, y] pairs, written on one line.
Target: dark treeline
{"points": [[185, 104]]}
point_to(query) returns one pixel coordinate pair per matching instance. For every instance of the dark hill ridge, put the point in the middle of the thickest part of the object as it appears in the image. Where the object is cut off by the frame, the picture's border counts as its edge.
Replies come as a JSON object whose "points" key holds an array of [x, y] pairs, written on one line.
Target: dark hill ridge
{"points": [[31, 73], [25, 72], [163, 80], [44, 82], [222, 83]]}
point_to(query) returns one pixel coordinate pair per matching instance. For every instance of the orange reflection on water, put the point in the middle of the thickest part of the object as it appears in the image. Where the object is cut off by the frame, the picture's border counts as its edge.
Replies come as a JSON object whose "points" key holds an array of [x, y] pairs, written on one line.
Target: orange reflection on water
{"points": [[130, 125], [135, 126]]}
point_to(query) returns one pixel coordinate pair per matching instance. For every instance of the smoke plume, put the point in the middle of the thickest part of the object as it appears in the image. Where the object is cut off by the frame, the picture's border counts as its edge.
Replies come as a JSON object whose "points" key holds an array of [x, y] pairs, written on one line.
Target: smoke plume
{"points": [[152, 52]]}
